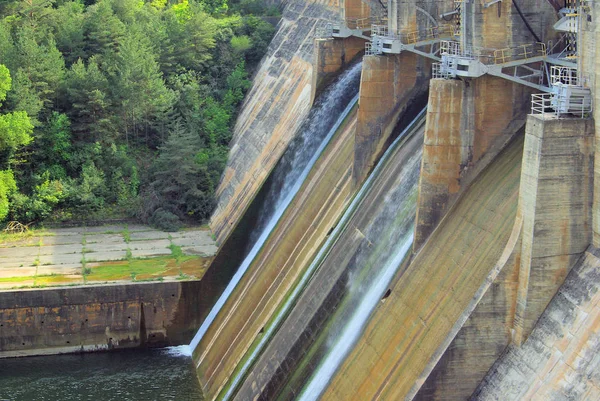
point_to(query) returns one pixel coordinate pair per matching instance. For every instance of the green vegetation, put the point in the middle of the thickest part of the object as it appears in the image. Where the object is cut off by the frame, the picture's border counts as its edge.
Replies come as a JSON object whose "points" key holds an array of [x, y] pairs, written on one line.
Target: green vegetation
{"points": [[116, 108]]}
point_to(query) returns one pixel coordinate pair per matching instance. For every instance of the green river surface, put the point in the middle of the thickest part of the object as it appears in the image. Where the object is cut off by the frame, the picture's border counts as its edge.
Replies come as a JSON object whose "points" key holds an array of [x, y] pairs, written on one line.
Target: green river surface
{"points": [[156, 374]]}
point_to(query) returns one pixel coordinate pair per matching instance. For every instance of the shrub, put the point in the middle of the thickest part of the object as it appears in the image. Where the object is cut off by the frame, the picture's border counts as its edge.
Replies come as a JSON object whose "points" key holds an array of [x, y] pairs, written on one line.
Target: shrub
{"points": [[165, 220]]}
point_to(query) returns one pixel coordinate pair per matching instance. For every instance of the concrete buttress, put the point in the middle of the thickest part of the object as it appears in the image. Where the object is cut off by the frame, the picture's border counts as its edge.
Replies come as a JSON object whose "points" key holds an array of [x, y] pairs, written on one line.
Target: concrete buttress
{"points": [[556, 202]]}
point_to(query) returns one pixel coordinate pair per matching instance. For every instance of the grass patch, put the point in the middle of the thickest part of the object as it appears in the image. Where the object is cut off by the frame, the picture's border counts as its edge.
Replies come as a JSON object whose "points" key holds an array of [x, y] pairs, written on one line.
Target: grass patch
{"points": [[55, 279], [126, 234], [176, 251], [136, 269], [15, 279]]}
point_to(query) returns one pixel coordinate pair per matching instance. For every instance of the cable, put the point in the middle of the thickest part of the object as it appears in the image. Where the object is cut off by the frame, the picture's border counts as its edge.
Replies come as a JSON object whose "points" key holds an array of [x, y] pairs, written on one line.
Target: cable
{"points": [[525, 21]]}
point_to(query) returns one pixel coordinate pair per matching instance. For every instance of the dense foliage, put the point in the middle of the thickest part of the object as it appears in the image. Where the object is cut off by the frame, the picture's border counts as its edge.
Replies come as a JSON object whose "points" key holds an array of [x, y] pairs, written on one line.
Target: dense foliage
{"points": [[116, 107]]}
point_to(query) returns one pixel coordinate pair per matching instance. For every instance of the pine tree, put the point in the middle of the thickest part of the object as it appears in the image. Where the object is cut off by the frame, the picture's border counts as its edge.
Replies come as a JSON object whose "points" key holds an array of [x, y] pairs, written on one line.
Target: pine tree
{"points": [[87, 92], [103, 31], [144, 98]]}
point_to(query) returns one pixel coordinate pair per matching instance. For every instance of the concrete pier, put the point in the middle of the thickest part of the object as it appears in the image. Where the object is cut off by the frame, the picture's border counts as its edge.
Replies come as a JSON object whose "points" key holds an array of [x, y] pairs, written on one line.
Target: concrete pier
{"points": [[556, 203], [389, 86], [468, 123], [331, 57]]}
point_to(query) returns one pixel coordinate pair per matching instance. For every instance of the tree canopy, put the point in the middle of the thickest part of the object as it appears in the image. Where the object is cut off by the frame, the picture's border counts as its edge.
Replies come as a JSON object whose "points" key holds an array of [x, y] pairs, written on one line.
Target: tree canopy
{"points": [[115, 108]]}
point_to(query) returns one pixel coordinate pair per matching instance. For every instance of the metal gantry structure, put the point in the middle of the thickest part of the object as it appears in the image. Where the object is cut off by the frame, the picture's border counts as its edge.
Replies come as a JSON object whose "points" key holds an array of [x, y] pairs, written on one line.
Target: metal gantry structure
{"points": [[551, 68]]}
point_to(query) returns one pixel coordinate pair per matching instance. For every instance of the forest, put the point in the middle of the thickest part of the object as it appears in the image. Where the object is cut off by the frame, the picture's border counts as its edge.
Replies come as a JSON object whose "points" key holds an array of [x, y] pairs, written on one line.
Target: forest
{"points": [[116, 109]]}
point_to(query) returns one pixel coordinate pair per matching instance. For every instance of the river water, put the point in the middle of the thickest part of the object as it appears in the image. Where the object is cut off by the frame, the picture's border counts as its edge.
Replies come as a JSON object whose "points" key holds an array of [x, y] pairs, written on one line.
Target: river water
{"points": [[158, 374]]}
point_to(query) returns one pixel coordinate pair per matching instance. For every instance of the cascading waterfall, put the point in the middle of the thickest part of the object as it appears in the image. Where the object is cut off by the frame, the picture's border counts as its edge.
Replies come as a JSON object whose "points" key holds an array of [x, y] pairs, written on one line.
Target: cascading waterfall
{"points": [[325, 118], [391, 233]]}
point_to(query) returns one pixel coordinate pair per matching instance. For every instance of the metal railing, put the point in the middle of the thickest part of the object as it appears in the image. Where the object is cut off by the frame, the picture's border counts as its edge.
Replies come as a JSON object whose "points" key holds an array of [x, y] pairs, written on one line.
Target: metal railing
{"points": [[437, 32], [438, 72], [553, 105], [566, 76], [522, 52], [371, 50], [364, 23], [541, 104]]}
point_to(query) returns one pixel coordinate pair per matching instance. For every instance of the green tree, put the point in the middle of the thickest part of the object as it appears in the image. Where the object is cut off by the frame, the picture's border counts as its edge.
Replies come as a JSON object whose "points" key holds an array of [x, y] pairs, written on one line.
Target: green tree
{"points": [[15, 131], [39, 73], [144, 99], [87, 91], [103, 30], [67, 24], [179, 184]]}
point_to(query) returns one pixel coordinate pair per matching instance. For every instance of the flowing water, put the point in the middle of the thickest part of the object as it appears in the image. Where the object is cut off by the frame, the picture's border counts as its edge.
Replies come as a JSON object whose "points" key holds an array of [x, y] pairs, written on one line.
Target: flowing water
{"points": [[324, 119], [144, 375], [391, 233]]}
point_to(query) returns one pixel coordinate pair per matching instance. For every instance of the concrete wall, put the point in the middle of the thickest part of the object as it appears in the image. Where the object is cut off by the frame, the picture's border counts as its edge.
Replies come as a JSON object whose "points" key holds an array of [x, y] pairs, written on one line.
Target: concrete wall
{"points": [[92, 318], [556, 202], [274, 109], [501, 26], [355, 9], [468, 123], [589, 61], [389, 86], [484, 336], [561, 358]]}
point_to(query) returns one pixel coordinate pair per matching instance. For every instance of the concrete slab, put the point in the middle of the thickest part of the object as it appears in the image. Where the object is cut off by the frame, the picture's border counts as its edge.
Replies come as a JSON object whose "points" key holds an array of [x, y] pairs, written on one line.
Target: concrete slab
{"points": [[105, 256], [95, 248], [146, 253], [204, 250], [64, 231], [18, 272], [72, 268], [62, 259], [104, 238], [24, 252], [65, 249], [12, 264], [155, 244], [148, 235], [112, 228], [187, 241], [62, 239]]}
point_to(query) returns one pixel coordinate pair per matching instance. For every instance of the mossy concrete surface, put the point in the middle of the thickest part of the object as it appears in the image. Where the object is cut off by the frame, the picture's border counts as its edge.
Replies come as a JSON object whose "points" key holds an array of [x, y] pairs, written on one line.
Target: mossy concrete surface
{"points": [[92, 255]]}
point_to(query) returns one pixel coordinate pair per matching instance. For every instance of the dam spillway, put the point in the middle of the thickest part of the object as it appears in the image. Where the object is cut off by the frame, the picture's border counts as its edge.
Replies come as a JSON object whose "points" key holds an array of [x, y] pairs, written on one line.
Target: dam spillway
{"points": [[361, 253], [489, 252], [325, 119]]}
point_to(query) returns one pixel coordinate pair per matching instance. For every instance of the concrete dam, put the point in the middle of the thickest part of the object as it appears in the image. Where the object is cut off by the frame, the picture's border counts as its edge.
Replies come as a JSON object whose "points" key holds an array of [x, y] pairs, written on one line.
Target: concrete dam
{"points": [[410, 207]]}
